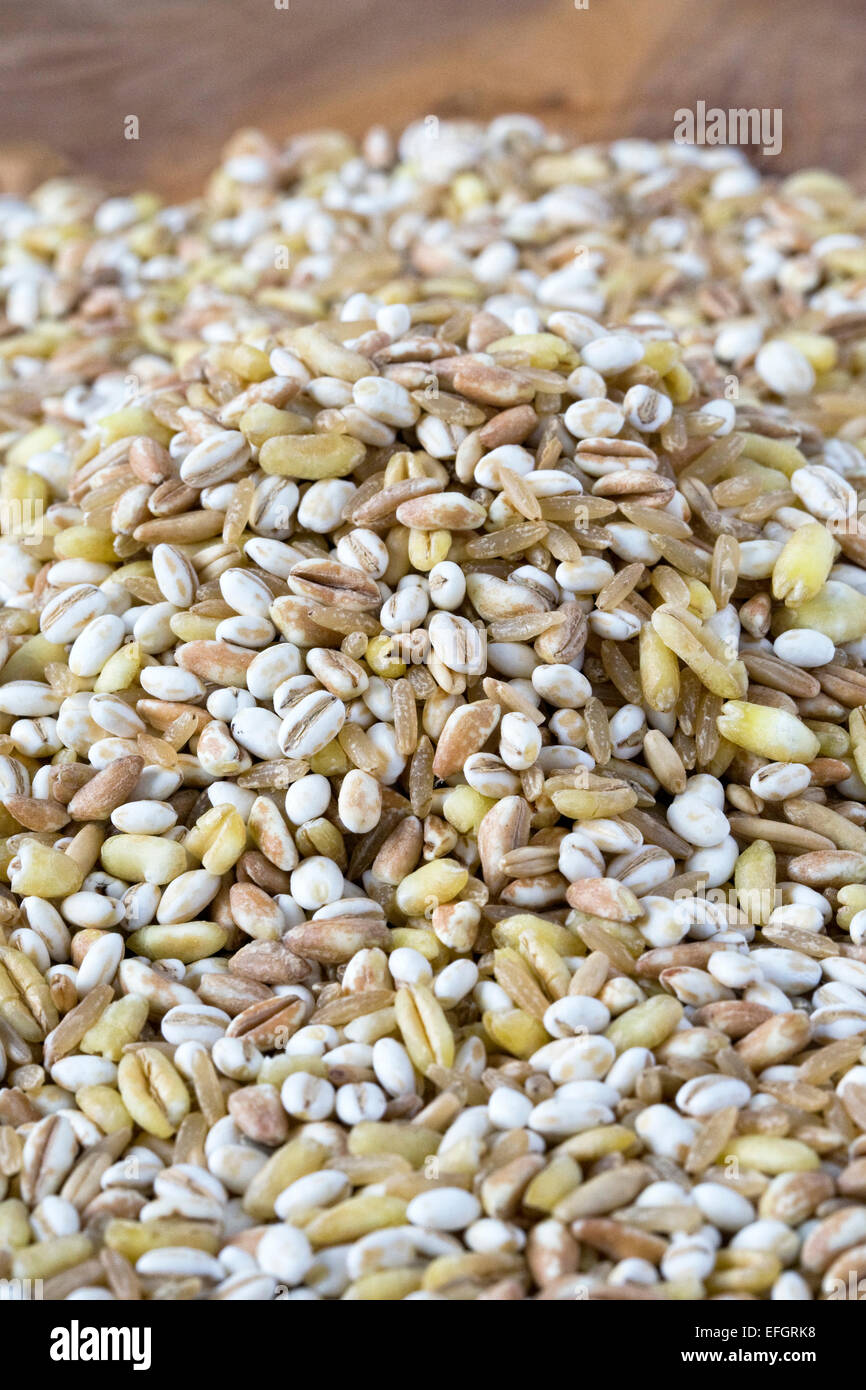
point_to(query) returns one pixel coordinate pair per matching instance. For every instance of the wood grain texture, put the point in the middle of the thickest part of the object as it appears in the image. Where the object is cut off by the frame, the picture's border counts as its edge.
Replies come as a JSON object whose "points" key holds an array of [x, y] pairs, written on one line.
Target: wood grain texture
{"points": [[193, 71]]}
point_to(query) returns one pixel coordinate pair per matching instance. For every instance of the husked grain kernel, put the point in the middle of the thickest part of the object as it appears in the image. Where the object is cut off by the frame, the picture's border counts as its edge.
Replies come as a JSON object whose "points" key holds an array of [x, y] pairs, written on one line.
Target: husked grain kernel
{"points": [[152, 1091]]}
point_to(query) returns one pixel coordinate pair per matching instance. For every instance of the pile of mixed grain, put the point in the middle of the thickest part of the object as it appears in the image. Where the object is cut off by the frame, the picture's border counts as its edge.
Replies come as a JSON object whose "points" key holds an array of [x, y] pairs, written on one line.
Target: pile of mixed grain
{"points": [[433, 719]]}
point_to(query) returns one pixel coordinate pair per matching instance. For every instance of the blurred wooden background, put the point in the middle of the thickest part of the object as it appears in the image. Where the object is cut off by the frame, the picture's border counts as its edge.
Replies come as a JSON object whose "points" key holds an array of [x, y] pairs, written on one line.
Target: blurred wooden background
{"points": [[193, 71]]}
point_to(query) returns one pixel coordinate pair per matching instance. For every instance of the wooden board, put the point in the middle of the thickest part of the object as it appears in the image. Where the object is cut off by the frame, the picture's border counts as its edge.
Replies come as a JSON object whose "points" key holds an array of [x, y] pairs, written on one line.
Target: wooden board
{"points": [[193, 71]]}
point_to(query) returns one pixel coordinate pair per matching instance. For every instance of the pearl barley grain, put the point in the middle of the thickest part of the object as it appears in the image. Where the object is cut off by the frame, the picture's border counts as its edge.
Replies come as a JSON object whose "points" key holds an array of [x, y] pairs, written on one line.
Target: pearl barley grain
{"points": [[784, 369], [519, 741], [444, 1209], [316, 882]]}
